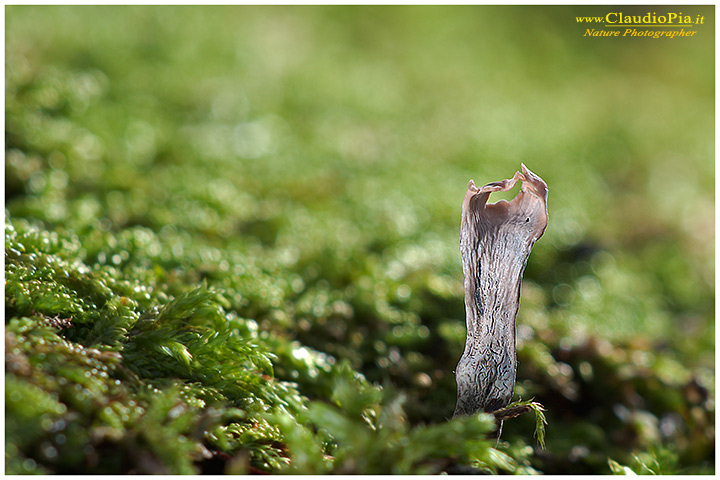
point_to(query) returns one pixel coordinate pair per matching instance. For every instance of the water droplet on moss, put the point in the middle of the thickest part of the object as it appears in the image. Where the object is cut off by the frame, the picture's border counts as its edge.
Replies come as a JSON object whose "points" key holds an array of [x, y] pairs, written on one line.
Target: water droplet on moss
{"points": [[29, 464], [48, 451]]}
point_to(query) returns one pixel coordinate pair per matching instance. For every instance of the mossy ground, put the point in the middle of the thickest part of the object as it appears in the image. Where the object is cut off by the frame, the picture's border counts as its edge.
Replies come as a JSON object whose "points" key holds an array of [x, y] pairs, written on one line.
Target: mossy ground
{"points": [[231, 239]]}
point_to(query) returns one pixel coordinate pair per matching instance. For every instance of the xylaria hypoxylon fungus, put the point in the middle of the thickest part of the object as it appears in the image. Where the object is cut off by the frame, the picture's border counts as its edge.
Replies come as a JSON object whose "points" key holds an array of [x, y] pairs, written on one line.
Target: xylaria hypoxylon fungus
{"points": [[495, 243]]}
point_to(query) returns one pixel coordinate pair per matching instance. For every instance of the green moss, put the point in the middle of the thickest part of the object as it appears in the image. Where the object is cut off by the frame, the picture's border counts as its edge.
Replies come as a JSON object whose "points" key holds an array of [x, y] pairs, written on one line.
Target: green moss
{"points": [[231, 239]]}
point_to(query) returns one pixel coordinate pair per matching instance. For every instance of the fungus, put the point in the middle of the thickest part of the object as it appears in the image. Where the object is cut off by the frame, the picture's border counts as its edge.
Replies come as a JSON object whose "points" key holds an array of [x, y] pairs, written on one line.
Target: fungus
{"points": [[495, 243]]}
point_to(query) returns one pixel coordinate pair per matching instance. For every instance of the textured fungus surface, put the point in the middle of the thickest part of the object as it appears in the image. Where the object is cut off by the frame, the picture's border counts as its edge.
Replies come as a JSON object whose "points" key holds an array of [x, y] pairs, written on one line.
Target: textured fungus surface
{"points": [[495, 243]]}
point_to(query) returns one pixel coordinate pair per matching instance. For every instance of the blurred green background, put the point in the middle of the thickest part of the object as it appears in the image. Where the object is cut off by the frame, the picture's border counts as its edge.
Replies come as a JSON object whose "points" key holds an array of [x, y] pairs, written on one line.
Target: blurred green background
{"points": [[308, 165]]}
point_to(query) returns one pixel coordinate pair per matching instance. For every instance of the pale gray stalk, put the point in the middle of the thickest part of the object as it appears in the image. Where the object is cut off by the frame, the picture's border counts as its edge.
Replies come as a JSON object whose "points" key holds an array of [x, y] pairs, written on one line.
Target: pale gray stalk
{"points": [[495, 243]]}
